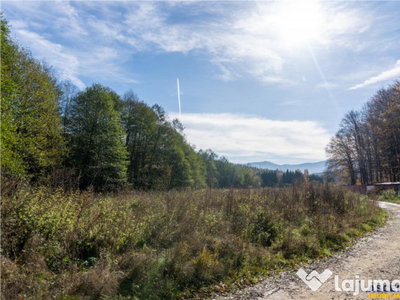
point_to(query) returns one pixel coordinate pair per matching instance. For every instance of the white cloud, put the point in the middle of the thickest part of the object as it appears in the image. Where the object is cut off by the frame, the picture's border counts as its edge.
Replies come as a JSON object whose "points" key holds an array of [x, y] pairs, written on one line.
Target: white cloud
{"points": [[243, 138], [59, 15], [233, 50], [66, 64], [386, 75], [245, 39], [241, 39], [85, 44]]}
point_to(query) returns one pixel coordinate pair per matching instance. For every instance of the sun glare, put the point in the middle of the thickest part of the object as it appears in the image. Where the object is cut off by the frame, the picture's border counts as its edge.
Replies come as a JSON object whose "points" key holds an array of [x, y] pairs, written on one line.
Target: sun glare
{"points": [[298, 23]]}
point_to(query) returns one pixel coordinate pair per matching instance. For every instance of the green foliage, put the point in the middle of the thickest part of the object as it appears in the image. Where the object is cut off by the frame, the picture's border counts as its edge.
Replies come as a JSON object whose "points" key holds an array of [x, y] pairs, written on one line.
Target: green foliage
{"points": [[389, 196], [235, 176], [96, 139], [10, 160], [264, 231], [166, 245], [31, 140], [142, 135], [209, 158], [289, 177], [159, 156], [276, 178], [269, 178]]}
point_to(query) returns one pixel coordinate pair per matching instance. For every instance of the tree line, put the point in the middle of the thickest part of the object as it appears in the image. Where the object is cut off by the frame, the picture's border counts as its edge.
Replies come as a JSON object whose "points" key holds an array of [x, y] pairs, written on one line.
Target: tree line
{"points": [[103, 140], [366, 148]]}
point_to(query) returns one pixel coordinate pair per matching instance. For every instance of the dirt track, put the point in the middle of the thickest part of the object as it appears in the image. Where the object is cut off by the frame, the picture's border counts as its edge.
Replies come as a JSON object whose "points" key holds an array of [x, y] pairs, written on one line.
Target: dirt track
{"points": [[376, 257]]}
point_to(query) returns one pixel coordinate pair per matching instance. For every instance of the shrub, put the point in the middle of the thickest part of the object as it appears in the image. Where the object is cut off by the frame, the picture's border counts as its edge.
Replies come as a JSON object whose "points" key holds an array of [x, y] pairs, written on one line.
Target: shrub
{"points": [[389, 196], [167, 245]]}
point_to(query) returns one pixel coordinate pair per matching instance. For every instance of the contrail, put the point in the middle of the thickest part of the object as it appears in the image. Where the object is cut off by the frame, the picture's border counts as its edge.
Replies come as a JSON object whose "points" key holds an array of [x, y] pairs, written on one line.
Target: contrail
{"points": [[179, 96]]}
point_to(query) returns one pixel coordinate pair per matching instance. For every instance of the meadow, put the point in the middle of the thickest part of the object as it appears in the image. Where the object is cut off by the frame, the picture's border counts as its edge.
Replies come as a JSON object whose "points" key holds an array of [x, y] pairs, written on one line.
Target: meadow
{"points": [[168, 245]]}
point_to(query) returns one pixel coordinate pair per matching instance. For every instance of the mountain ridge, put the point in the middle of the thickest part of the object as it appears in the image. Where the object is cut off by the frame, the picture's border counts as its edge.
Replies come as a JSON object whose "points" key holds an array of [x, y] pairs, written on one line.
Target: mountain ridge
{"points": [[316, 167]]}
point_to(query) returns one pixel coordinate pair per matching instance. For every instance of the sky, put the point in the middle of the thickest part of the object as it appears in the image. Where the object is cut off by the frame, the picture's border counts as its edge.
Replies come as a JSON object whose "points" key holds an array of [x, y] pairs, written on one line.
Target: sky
{"points": [[259, 80]]}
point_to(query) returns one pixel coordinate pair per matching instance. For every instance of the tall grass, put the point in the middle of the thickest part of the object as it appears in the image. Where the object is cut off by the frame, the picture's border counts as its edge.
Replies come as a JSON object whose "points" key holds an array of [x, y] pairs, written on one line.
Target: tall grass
{"points": [[389, 196], [167, 245]]}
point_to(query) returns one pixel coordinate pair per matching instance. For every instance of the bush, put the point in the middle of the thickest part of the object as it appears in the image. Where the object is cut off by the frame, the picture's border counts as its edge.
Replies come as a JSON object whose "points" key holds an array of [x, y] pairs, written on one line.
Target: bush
{"points": [[389, 196], [167, 245]]}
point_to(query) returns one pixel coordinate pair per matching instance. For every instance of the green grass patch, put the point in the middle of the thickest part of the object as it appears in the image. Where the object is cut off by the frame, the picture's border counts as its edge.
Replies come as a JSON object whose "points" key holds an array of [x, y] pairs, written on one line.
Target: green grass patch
{"points": [[389, 196]]}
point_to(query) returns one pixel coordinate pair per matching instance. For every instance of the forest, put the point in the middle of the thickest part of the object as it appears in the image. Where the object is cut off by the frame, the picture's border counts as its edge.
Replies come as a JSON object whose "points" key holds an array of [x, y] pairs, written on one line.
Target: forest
{"points": [[366, 148]]}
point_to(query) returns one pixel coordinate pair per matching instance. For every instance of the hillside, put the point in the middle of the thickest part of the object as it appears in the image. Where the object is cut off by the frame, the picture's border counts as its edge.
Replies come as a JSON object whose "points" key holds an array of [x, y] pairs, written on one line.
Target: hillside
{"points": [[317, 167]]}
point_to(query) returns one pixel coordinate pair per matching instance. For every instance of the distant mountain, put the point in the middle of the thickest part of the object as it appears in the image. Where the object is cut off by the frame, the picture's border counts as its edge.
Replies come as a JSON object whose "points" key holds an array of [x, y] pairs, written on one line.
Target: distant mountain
{"points": [[317, 167]]}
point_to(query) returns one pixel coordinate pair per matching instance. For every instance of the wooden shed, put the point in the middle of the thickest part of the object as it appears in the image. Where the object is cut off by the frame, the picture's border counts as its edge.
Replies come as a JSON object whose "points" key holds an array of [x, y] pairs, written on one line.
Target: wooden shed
{"points": [[388, 186]]}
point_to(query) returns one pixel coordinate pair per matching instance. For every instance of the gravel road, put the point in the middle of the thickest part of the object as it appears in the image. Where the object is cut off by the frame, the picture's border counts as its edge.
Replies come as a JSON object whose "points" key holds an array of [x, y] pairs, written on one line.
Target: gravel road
{"points": [[375, 257]]}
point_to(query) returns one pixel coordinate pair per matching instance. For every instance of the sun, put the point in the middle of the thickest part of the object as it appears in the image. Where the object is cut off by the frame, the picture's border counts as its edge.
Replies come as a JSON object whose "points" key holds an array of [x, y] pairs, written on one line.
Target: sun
{"points": [[298, 23]]}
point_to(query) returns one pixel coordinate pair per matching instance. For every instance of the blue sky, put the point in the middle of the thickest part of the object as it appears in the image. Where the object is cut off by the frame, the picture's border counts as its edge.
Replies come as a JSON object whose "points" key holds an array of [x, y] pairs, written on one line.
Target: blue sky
{"points": [[259, 80]]}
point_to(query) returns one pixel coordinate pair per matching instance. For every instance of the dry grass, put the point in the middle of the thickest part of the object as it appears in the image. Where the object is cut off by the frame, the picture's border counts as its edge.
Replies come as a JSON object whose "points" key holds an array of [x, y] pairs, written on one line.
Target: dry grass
{"points": [[167, 245]]}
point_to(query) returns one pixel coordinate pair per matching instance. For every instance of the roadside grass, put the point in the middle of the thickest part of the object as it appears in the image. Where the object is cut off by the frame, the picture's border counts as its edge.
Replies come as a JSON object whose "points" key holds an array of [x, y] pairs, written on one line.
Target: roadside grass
{"points": [[168, 245], [389, 196]]}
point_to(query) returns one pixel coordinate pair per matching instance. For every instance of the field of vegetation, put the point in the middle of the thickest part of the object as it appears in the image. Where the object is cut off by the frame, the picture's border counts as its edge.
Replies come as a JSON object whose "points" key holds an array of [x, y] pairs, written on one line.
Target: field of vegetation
{"points": [[168, 245], [389, 196]]}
